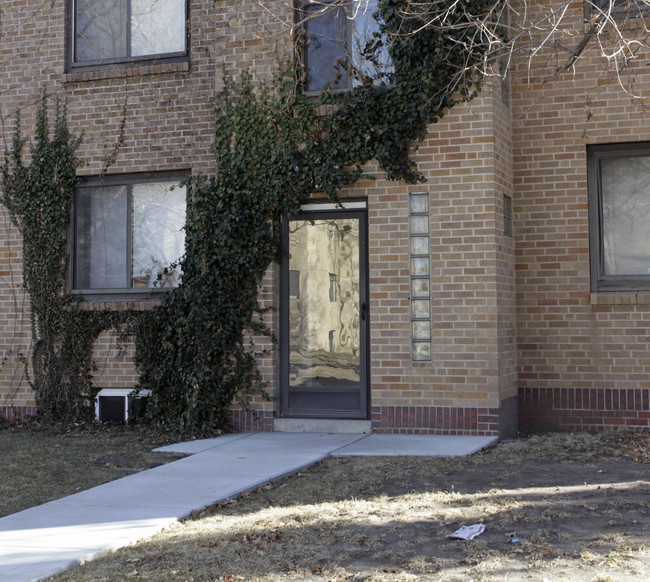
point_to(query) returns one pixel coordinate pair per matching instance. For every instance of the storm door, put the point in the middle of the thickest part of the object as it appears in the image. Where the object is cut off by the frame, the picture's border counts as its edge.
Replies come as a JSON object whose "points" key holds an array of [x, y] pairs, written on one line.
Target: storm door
{"points": [[324, 319]]}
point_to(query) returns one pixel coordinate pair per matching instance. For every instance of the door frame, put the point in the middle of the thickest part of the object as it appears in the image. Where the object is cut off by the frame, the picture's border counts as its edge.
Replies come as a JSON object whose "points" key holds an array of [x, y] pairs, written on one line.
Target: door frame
{"points": [[328, 211]]}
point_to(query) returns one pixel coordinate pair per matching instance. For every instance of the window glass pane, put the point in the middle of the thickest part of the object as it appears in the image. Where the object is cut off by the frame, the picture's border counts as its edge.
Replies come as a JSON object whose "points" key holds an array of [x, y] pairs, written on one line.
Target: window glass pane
{"points": [[421, 330], [419, 203], [158, 238], [634, 7], [419, 287], [325, 52], [100, 29], [421, 351], [626, 215], [420, 309], [364, 26], [324, 336], [100, 238], [419, 245], [157, 27], [420, 266], [419, 224]]}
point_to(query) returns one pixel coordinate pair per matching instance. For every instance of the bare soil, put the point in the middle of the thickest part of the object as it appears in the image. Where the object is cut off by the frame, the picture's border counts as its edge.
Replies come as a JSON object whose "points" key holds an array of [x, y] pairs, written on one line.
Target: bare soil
{"points": [[555, 507]]}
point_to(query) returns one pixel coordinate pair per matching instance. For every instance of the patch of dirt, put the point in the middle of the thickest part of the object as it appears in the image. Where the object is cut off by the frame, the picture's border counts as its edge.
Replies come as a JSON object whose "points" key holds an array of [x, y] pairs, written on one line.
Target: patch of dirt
{"points": [[120, 461], [635, 445], [555, 507]]}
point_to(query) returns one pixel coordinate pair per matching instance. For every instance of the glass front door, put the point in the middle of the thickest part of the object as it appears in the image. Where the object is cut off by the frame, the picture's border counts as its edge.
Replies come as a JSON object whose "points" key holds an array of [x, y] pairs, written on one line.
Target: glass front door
{"points": [[324, 316]]}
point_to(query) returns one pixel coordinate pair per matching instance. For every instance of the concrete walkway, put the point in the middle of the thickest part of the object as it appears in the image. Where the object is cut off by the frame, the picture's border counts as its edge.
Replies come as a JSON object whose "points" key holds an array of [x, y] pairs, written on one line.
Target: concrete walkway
{"points": [[51, 538]]}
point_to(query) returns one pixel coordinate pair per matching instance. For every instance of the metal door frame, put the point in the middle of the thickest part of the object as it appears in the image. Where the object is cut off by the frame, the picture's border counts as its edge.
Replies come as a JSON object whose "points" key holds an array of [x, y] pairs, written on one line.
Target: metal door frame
{"points": [[317, 212]]}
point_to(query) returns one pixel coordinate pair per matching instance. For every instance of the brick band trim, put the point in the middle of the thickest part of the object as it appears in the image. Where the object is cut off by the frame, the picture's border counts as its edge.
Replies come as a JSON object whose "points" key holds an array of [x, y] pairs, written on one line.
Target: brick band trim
{"points": [[12, 413], [118, 71], [441, 420], [251, 420], [583, 409]]}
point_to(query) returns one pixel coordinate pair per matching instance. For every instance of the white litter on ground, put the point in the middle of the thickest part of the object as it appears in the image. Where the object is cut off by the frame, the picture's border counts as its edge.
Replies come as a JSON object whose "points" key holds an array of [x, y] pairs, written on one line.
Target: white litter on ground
{"points": [[468, 532]]}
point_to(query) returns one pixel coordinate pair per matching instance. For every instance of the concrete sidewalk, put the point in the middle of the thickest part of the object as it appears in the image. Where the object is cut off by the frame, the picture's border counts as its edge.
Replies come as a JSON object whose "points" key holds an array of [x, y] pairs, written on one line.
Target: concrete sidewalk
{"points": [[43, 541]]}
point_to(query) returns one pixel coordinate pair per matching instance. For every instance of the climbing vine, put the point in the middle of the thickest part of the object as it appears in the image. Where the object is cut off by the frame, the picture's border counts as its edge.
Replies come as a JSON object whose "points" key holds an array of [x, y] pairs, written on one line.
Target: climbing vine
{"points": [[39, 198], [195, 349], [273, 148]]}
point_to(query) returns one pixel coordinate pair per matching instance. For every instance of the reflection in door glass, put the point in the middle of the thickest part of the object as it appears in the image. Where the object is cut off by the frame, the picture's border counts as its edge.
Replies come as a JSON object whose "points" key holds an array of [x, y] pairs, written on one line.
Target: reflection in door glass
{"points": [[324, 323]]}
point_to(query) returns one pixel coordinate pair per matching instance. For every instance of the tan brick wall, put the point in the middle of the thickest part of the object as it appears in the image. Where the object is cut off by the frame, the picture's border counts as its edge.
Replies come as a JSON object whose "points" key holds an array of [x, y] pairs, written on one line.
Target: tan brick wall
{"points": [[143, 119], [164, 115], [458, 161], [573, 345]]}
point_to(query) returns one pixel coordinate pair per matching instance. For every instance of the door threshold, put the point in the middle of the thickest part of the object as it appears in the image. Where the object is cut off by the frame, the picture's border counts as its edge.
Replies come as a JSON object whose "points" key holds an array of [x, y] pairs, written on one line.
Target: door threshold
{"points": [[325, 425]]}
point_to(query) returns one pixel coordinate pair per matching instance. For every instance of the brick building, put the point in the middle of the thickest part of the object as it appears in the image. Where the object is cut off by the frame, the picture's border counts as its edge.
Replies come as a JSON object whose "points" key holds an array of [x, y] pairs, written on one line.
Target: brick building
{"points": [[509, 290]]}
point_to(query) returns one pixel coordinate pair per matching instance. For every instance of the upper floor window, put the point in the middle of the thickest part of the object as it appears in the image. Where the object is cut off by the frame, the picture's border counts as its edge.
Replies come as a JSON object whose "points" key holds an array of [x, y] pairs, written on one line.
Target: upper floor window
{"points": [[619, 213], [617, 8], [114, 31], [335, 40], [126, 233]]}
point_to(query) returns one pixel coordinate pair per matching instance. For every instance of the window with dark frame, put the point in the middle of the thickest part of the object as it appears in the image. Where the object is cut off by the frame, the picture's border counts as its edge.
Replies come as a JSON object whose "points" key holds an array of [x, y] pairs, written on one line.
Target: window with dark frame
{"points": [[335, 38], [618, 9], [619, 216], [127, 234], [126, 31]]}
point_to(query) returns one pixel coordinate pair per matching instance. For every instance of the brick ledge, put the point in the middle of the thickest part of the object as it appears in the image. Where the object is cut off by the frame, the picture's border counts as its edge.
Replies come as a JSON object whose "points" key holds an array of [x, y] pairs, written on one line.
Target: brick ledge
{"points": [[621, 298], [111, 72]]}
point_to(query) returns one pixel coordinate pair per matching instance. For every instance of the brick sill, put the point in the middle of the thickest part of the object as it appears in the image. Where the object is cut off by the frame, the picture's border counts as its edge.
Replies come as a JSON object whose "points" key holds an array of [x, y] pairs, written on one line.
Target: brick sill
{"points": [[621, 298], [119, 305], [112, 72]]}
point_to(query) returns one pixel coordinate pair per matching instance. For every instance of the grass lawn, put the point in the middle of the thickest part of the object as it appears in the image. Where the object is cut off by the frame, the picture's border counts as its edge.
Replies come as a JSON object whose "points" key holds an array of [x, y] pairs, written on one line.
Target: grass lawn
{"points": [[40, 464], [555, 507]]}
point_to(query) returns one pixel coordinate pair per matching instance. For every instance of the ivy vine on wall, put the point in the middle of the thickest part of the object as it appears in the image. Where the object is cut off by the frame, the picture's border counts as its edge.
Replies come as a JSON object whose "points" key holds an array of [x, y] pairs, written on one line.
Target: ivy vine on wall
{"points": [[39, 199], [273, 148]]}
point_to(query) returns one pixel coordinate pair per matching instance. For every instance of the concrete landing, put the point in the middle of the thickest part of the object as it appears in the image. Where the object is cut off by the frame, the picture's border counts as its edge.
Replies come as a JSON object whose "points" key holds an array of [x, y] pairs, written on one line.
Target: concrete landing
{"points": [[321, 425], [40, 542]]}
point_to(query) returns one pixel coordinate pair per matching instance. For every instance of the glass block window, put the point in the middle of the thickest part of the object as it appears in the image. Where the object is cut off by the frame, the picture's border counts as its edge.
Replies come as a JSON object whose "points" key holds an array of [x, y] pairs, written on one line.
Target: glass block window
{"points": [[420, 262]]}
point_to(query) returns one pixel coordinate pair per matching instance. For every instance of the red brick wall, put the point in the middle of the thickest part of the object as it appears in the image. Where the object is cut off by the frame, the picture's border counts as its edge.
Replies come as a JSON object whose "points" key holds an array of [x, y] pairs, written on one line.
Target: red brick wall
{"points": [[589, 409]]}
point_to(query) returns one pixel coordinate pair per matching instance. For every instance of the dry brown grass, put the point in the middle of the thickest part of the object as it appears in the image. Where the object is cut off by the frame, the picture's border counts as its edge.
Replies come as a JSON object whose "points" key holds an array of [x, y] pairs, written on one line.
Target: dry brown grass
{"points": [[42, 463], [579, 510]]}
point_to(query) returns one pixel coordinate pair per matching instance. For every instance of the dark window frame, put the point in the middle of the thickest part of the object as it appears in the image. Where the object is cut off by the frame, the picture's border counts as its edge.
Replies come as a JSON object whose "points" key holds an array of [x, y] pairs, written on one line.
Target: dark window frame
{"points": [[599, 281], [303, 16], [303, 32], [129, 180], [364, 352], [128, 61], [620, 10]]}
